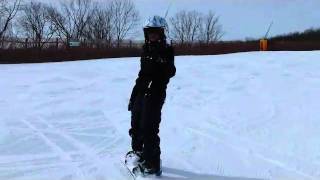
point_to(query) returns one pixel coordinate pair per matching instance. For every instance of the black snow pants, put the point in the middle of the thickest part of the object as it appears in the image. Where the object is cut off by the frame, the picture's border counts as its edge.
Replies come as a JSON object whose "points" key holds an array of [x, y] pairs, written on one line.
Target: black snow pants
{"points": [[145, 122]]}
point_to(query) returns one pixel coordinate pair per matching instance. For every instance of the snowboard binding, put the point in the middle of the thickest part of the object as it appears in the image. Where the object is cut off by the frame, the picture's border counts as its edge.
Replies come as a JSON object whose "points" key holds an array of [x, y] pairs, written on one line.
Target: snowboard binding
{"points": [[144, 170]]}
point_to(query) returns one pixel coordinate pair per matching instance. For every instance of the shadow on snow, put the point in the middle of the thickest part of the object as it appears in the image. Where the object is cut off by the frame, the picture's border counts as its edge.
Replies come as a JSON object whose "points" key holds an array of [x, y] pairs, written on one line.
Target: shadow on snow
{"points": [[185, 175]]}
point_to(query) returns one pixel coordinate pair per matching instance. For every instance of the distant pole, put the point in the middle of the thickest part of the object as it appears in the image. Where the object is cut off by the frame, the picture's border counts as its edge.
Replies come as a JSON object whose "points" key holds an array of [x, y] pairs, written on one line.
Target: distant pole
{"points": [[269, 28], [167, 11], [264, 40], [26, 43], [57, 44]]}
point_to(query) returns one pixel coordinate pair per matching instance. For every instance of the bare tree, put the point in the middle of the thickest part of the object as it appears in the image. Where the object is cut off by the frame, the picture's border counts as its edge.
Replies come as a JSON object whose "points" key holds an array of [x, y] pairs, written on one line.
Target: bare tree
{"points": [[125, 18], [178, 28], [194, 20], [211, 31], [71, 18], [186, 26], [35, 23], [8, 10], [100, 27]]}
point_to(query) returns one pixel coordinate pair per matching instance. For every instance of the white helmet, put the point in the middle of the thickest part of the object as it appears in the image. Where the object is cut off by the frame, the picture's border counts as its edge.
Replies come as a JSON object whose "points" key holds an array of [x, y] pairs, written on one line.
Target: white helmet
{"points": [[156, 22]]}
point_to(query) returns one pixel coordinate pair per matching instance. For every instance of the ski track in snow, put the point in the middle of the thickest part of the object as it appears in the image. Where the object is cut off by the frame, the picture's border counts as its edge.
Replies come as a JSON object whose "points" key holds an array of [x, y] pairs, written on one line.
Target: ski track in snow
{"points": [[233, 116]]}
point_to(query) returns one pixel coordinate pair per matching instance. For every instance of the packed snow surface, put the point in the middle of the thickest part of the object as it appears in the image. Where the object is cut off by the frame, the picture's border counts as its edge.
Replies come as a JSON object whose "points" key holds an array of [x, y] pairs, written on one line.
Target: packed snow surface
{"points": [[240, 116]]}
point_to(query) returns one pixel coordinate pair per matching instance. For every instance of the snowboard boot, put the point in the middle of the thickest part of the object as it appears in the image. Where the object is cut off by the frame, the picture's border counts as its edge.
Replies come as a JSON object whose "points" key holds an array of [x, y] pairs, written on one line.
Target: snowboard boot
{"points": [[134, 158], [146, 169]]}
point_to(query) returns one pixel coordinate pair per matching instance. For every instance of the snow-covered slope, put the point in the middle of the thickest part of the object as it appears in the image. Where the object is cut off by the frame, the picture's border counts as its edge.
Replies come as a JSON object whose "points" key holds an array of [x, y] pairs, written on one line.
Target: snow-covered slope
{"points": [[228, 117]]}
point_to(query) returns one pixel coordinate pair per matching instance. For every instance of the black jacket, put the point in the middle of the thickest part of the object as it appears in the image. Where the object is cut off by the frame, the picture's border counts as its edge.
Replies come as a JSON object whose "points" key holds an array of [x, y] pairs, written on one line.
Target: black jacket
{"points": [[157, 67]]}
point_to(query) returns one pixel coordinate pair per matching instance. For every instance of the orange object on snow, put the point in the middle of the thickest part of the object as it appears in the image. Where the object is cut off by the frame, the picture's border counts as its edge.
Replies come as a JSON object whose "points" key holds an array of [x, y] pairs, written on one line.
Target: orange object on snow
{"points": [[263, 45]]}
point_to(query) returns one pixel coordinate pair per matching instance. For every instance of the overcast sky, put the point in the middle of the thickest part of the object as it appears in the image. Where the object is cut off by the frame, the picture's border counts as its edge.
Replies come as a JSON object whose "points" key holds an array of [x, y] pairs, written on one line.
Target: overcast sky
{"points": [[244, 18]]}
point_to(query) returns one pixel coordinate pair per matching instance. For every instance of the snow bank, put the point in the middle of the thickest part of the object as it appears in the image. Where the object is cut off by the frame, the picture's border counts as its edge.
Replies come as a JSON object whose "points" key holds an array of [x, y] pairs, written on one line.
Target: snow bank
{"points": [[227, 117]]}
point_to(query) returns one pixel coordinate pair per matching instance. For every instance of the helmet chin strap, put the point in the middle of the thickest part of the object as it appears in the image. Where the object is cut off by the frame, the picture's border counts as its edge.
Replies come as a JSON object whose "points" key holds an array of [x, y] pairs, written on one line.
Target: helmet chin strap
{"points": [[157, 41]]}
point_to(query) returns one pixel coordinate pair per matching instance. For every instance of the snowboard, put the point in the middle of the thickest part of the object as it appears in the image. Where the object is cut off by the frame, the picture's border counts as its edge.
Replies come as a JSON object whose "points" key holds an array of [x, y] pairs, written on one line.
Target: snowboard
{"points": [[130, 161], [136, 174], [129, 169], [131, 164]]}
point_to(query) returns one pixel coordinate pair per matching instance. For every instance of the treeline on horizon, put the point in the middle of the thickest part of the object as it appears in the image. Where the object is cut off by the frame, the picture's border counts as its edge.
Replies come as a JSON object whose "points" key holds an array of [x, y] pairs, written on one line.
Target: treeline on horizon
{"points": [[311, 34]]}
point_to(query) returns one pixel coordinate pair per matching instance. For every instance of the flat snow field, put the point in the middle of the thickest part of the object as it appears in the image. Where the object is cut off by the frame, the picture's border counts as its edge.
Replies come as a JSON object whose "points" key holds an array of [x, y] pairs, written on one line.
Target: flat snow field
{"points": [[240, 116]]}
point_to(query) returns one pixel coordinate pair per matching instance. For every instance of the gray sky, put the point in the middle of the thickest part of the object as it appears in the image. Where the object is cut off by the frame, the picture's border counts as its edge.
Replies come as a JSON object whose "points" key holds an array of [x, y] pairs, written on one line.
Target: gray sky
{"points": [[246, 18], [243, 18]]}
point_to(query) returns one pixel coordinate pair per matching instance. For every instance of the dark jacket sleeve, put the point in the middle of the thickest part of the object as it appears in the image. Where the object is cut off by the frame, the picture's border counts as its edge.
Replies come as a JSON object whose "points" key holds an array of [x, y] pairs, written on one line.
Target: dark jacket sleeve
{"points": [[170, 68], [141, 85], [166, 67], [144, 77]]}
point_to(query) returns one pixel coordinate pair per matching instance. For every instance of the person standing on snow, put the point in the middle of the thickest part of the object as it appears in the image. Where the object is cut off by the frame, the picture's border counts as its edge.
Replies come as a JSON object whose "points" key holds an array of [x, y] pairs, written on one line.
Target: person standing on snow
{"points": [[148, 96]]}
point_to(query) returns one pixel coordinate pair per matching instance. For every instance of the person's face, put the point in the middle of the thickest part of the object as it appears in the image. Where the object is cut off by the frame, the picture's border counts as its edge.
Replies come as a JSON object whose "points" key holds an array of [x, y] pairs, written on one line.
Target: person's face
{"points": [[154, 36]]}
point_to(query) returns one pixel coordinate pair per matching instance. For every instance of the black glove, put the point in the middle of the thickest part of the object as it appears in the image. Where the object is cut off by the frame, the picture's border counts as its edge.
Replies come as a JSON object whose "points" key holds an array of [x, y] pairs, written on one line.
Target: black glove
{"points": [[130, 105]]}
